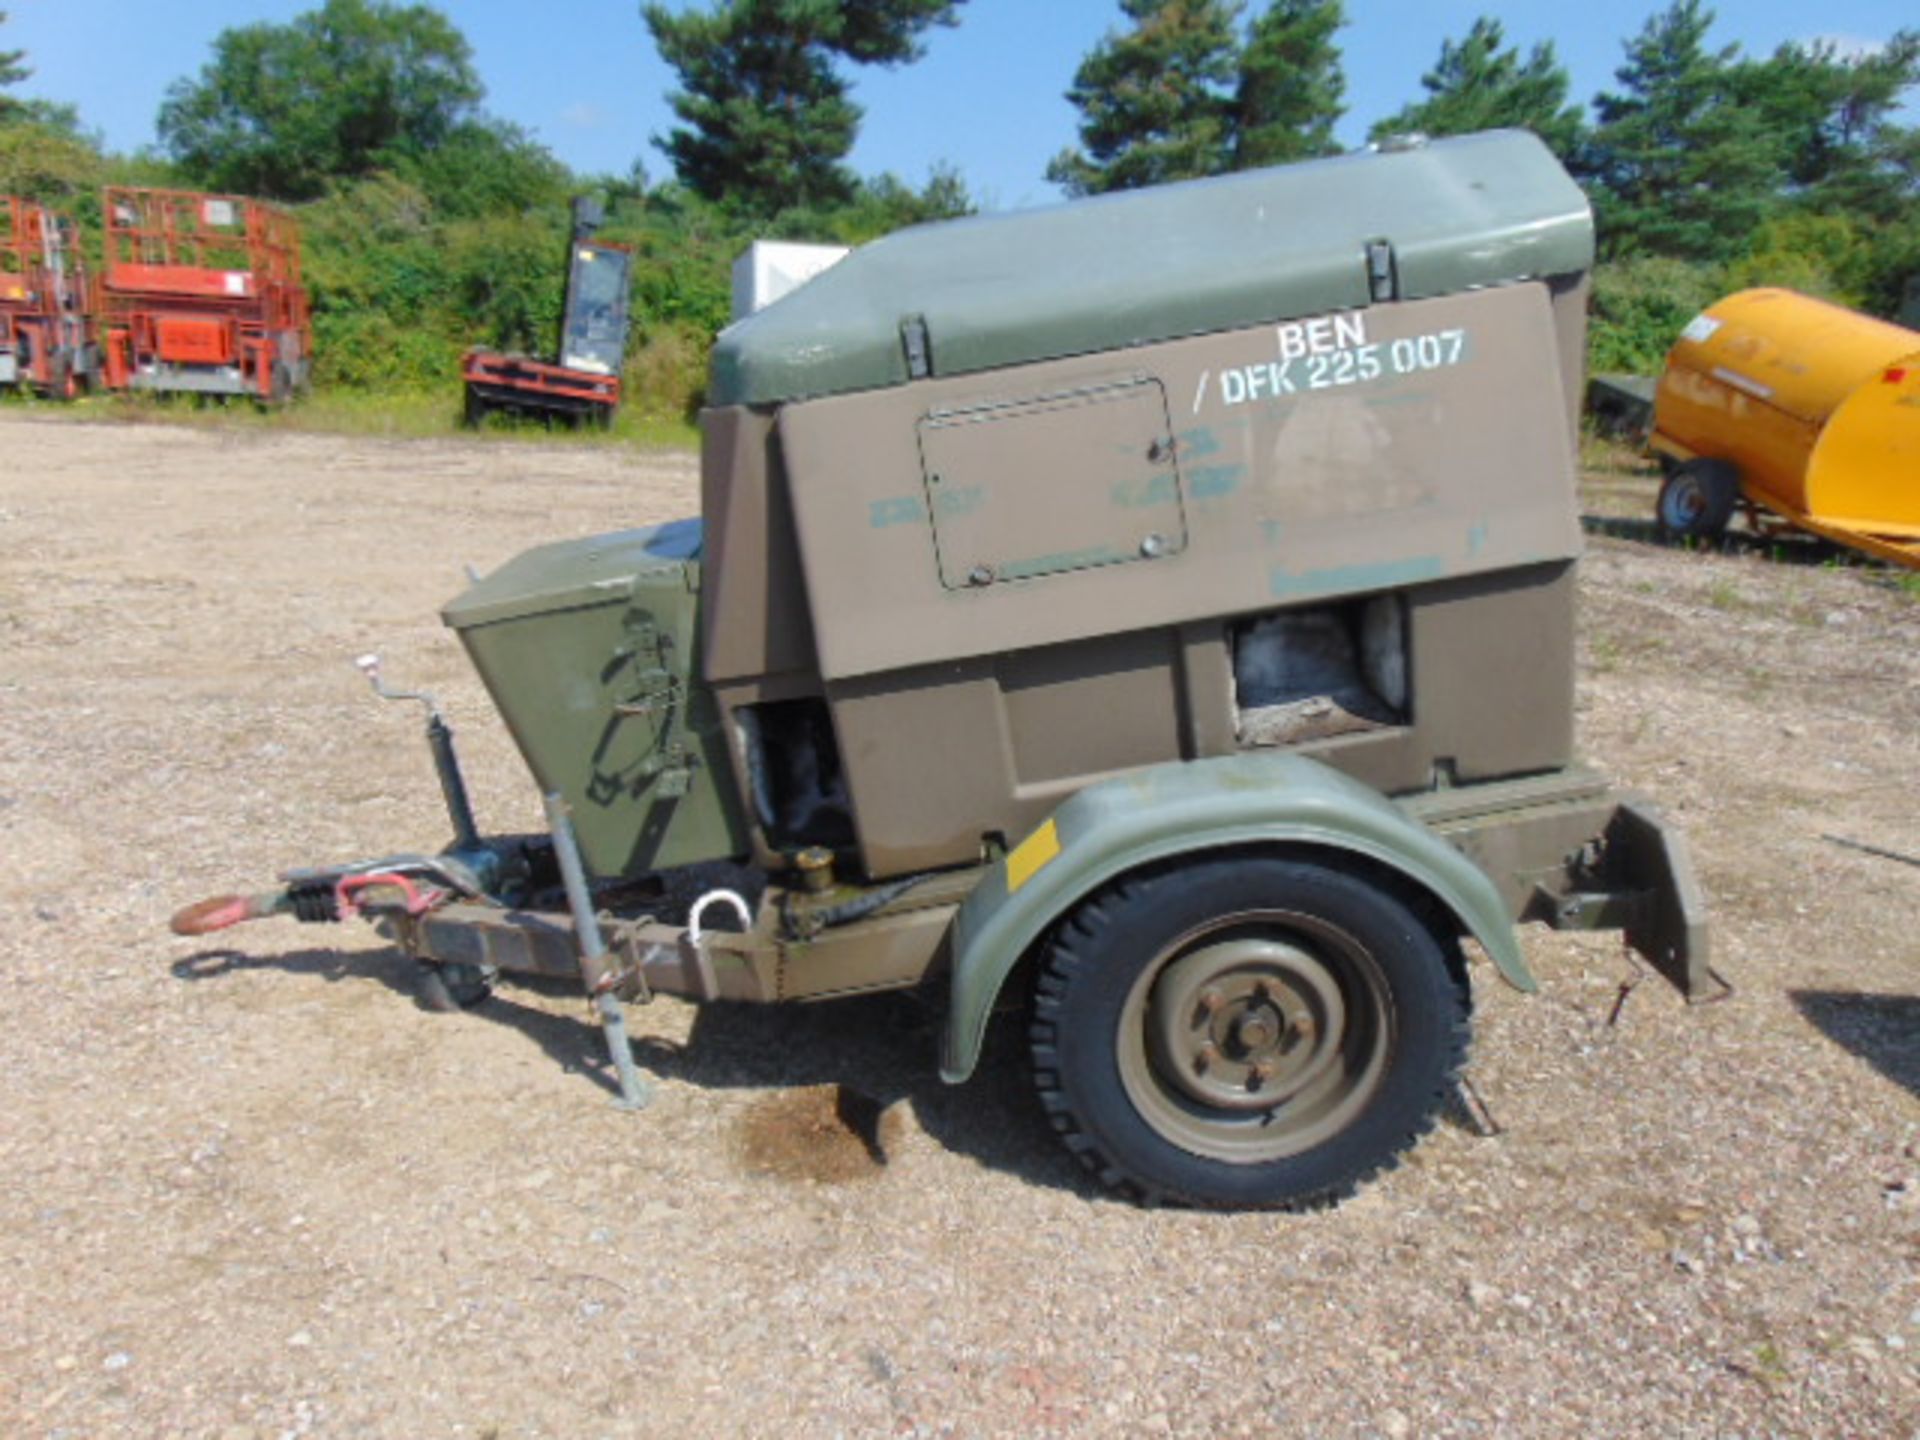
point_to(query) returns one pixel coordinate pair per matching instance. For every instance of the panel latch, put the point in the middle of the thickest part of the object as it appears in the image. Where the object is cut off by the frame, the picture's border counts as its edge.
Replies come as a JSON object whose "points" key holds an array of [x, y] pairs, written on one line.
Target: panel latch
{"points": [[918, 347], [1383, 273]]}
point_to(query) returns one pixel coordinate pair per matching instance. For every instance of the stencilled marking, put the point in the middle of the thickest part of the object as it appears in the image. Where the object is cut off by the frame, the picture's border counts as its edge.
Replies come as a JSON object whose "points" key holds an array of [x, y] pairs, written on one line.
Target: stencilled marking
{"points": [[1200, 390], [1333, 352], [1212, 482], [1347, 579], [898, 510], [959, 500], [1197, 443], [1322, 335]]}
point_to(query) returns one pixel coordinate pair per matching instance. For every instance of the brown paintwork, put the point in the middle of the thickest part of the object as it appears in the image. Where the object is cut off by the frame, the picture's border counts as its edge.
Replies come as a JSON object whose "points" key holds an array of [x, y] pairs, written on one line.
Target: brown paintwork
{"points": [[1450, 485], [1463, 467]]}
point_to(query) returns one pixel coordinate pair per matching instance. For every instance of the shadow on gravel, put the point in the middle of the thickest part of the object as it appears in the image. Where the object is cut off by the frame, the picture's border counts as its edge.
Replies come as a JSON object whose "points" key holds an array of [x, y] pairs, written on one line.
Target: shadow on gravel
{"points": [[1788, 548], [389, 967], [874, 1051], [1883, 1030]]}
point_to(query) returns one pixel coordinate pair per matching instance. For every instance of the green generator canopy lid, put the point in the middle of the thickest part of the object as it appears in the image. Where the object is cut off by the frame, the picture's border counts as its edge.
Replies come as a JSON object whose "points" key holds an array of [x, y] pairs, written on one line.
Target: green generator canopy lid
{"points": [[577, 574], [1158, 264]]}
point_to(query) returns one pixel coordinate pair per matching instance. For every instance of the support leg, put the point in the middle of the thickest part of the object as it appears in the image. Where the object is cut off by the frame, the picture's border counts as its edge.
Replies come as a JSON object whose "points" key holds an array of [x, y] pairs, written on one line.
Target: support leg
{"points": [[594, 969]]}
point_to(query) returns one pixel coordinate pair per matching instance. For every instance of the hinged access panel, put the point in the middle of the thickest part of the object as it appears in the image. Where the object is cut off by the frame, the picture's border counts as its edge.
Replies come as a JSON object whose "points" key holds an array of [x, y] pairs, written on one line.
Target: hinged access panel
{"points": [[1056, 482]]}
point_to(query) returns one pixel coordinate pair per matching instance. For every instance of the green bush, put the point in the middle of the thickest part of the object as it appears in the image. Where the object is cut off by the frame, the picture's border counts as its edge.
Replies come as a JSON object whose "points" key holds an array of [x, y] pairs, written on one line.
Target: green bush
{"points": [[667, 374], [368, 350], [1822, 255], [1639, 307]]}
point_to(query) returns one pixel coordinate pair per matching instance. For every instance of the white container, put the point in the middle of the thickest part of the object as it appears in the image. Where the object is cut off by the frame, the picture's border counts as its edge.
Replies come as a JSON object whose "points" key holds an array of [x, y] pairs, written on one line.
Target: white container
{"points": [[768, 269]]}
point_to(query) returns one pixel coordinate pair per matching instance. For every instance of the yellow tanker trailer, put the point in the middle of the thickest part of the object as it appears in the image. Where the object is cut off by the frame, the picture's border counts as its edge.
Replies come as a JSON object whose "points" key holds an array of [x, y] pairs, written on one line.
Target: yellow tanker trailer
{"points": [[1800, 409]]}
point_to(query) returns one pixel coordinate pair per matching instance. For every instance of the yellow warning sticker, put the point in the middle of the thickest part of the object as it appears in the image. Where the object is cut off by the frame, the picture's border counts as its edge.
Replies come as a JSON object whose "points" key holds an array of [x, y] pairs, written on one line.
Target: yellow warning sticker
{"points": [[1030, 855]]}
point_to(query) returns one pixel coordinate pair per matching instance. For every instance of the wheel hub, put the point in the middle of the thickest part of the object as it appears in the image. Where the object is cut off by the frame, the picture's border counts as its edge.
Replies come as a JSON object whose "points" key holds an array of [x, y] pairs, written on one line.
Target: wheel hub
{"points": [[1245, 1024]]}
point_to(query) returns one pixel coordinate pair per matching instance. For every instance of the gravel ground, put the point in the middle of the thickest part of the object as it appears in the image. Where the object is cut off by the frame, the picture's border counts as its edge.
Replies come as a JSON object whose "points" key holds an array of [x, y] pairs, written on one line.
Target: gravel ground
{"points": [[258, 1192]]}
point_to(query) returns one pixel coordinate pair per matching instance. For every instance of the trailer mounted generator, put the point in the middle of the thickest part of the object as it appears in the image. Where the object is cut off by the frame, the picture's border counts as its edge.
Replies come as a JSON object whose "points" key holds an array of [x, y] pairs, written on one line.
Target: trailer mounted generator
{"points": [[1153, 615]]}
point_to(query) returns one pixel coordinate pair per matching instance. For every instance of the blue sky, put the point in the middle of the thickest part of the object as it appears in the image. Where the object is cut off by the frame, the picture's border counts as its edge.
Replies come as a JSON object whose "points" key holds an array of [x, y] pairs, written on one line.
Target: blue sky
{"points": [[582, 74]]}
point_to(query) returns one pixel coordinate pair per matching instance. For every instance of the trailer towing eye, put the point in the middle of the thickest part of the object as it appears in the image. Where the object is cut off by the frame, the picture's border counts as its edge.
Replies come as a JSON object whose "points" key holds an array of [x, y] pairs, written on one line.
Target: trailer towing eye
{"points": [[221, 912]]}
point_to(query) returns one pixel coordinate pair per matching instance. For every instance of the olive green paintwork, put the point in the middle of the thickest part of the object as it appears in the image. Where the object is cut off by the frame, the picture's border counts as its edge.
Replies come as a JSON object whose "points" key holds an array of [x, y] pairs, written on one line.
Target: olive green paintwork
{"points": [[1120, 825], [588, 649], [1176, 260]]}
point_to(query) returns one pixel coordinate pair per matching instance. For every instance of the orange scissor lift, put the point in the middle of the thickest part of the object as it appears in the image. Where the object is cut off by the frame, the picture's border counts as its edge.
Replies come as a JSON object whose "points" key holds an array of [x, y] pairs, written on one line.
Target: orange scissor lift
{"points": [[201, 294], [47, 334]]}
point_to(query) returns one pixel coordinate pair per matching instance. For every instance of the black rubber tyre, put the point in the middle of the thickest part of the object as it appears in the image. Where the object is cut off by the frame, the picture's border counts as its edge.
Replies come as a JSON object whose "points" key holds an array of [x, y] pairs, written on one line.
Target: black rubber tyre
{"points": [[279, 384], [1697, 499], [450, 988], [1245, 1032], [474, 413], [60, 384]]}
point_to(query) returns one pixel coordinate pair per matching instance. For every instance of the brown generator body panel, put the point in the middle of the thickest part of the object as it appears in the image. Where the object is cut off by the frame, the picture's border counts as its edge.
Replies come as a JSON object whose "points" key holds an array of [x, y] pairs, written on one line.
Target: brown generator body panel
{"points": [[1066, 571]]}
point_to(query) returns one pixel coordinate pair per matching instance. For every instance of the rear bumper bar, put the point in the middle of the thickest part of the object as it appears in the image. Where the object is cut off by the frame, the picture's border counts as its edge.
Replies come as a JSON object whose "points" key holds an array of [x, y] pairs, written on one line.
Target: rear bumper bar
{"points": [[1572, 853]]}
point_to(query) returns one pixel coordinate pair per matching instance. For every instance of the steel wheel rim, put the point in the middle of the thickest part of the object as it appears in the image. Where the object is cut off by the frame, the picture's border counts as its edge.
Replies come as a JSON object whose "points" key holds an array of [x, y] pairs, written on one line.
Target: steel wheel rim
{"points": [[1685, 502], [1256, 1036]]}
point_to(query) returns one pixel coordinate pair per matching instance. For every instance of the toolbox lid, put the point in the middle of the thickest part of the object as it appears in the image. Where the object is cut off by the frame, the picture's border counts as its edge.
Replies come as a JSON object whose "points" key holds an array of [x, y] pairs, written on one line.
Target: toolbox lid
{"points": [[1159, 264], [575, 574]]}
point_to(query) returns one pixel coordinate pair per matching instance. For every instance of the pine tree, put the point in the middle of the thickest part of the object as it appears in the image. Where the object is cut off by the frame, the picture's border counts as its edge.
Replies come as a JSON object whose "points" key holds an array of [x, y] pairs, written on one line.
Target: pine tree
{"points": [[1155, 102], [767, 118], [1290, 84], [12, 72], [1843, 148], [1677, 164], [1478, 85]]}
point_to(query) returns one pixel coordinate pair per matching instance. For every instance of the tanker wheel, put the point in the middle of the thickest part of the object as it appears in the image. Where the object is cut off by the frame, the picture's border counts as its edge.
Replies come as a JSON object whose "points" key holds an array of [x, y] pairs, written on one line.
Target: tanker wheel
{"points": [[1697, 499], [1249, 1032], [453, 986]]}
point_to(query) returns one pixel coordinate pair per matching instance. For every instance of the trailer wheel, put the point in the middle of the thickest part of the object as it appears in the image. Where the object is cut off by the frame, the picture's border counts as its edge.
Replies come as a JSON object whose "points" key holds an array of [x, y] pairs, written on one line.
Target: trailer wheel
{"points": [[451, 986], [280, 384], [474, 413], [1251, 1032], [1697, 499]]}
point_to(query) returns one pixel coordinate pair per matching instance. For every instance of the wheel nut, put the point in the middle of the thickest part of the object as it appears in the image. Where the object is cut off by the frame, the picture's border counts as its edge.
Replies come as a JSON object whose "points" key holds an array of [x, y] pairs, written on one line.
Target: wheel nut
{"points": [[1205, 1056], [1211, 999], [1264, 1071]]}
